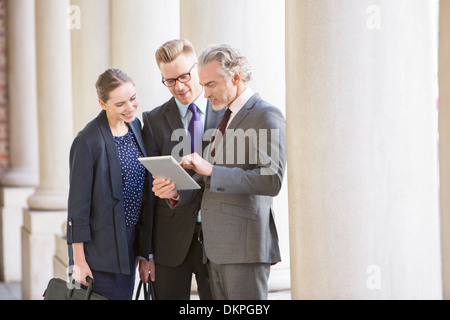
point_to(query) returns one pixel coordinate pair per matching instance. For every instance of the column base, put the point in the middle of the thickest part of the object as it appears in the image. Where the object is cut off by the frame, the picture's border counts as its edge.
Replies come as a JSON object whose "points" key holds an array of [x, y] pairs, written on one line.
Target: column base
{"points": [[61, 258], [12, 202], [20, 178], [38, 250], [48, 200]]}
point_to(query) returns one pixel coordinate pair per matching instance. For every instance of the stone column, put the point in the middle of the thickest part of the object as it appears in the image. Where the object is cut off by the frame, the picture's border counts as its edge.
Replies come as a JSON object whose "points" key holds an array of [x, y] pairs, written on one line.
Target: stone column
{"points": [[54, 104], [362, 150], [133, 45], [89, 23], [444, 139], [257, 29], [18, 183], [90, 56], [48, 205], [23, 107]]}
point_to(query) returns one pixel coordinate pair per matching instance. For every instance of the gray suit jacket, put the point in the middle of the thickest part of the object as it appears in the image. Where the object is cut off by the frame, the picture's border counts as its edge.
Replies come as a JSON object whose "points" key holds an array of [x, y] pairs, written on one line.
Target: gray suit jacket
{"points": [[237, 213], [173, 229]]}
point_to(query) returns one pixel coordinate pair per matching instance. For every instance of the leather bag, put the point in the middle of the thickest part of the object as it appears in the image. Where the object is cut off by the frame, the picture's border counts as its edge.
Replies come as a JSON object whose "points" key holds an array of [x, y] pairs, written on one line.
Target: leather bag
{"points": [[58, 289]]}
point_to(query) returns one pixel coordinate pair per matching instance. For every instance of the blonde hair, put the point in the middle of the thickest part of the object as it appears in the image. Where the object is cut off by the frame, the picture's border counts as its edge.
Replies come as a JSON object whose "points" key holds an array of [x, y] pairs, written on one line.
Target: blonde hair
{"points": [[170, 50], [230, 60]]}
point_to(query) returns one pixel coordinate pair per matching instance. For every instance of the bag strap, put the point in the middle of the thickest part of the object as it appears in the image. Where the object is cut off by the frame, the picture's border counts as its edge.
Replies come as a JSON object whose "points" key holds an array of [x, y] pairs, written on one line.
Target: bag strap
{"points": [[90, 282], [151, 291], [148, 294], [90, 287], [138, 291]]}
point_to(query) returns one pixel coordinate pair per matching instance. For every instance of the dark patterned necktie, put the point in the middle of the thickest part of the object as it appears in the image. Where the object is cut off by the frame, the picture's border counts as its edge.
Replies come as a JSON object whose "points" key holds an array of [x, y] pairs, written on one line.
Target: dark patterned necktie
{"points": [[222, 126]]}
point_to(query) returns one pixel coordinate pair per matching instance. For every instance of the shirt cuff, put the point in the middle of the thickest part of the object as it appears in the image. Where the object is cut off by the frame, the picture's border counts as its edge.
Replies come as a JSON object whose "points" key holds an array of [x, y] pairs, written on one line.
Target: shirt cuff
{"points": [[174, 201], [150, 256]]}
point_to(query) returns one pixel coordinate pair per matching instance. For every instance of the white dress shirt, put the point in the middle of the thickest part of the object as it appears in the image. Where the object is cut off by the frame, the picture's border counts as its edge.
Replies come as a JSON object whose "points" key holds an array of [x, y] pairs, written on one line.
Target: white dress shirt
{"points": [[239, 102]]}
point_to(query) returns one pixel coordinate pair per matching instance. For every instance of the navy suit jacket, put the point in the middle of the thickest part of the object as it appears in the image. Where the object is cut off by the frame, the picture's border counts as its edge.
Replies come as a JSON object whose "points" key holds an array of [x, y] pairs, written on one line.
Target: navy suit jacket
{"points": [[173, 228], [95, 206]]}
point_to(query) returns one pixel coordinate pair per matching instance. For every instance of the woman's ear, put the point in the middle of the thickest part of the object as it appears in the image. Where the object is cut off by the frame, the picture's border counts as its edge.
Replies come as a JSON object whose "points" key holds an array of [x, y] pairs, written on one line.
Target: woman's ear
{"points": [[102, 104]]}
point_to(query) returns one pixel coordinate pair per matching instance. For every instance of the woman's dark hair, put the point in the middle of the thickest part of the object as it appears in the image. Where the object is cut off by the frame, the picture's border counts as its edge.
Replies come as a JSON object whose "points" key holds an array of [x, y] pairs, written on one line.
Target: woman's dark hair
{"points": [[110, 80]]}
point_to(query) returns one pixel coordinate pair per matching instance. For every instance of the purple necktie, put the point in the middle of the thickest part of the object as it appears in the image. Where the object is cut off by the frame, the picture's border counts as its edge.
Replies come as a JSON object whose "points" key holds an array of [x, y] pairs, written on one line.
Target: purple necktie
{"points": [[195, 130], [222, 126]]}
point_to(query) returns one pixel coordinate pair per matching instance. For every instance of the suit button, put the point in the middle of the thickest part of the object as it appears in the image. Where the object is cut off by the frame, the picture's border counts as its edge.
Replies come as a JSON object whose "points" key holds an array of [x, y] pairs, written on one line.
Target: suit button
{"points": [[70, 223]]}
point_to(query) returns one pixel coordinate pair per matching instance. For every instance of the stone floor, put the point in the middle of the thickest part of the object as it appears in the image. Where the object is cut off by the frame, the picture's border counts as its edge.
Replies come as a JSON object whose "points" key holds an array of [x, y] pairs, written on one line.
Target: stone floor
{"points": [[12, 291], [279, 287]]}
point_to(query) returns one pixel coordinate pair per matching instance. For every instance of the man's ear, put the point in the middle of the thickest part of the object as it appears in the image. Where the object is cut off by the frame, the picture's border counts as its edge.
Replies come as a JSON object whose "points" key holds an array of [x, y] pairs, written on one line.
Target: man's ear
{"points": [[236, 78]]}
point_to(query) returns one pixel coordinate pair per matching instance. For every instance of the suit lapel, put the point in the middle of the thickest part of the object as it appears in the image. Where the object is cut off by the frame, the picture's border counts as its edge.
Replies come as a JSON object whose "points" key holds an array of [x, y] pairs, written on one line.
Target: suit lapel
{"points": [[173, 115], [236, 121], [212, 120], [173, 118], [135, 128], [115, 170], [245, 110]]}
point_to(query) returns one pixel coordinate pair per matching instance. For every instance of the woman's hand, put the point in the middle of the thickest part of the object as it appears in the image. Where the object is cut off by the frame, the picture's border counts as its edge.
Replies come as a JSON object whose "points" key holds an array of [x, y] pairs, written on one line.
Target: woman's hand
{"points": [[81, 269]]}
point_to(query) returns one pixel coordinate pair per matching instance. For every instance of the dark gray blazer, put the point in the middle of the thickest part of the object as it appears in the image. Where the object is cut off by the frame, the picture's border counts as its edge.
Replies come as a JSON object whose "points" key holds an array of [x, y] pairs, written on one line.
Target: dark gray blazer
{"points": [[237, 212], [95, 205], [173, 228]]}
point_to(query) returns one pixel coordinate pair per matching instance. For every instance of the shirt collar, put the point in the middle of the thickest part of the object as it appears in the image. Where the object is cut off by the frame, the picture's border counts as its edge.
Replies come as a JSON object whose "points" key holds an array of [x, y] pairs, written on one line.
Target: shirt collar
{"points": [[201, 102], [240, 101]]}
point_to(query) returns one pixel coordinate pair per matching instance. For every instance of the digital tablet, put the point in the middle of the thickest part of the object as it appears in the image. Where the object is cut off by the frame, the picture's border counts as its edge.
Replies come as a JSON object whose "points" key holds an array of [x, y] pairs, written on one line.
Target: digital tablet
{"points": [[168, 168]]}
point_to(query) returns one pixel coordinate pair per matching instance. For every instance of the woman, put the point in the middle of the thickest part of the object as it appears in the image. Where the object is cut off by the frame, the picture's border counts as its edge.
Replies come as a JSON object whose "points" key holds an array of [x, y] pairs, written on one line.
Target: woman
{"points": [[110, 207]]}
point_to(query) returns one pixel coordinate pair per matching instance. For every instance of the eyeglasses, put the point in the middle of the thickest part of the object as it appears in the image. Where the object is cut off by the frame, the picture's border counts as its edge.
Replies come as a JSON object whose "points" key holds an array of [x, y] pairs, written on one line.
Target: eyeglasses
{"points": [[182, 79]]}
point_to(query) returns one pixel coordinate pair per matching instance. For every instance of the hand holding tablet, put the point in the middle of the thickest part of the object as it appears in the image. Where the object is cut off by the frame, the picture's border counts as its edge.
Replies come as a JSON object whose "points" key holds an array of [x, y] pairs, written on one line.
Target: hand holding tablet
{"points": [[168, 168]]}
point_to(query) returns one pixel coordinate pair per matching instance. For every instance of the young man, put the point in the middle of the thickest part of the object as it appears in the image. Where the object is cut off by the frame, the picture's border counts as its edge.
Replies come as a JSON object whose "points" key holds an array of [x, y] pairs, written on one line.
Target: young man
{"points": [[177, 243]]}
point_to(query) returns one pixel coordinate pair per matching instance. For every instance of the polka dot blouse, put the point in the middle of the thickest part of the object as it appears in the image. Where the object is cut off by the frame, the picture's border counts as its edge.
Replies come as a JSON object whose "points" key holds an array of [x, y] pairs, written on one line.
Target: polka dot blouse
{"points": [[133, 175]]}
